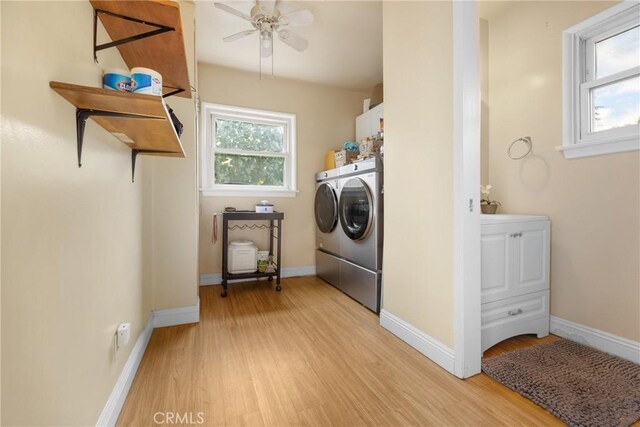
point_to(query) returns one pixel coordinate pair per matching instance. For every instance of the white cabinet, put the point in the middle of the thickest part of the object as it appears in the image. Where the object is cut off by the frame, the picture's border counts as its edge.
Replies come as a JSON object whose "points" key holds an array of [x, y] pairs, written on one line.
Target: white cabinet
{"points": [[515, 276], [368, 124]]}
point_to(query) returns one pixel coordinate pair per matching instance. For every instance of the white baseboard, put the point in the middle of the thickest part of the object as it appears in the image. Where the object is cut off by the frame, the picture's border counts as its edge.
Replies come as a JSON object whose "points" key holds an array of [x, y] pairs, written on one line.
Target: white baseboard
{"points": [[216, 278], [601, 340], [158, 319], [118, 395], [425, 344], [177, 316]]}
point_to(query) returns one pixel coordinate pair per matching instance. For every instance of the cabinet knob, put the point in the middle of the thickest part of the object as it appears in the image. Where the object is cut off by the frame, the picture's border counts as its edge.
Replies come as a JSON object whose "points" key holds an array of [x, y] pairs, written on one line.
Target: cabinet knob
{"points": [[515, 312]]}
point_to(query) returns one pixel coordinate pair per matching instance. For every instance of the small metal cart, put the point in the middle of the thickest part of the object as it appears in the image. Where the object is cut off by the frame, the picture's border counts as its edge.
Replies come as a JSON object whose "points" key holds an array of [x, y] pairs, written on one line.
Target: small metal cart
{"points": [[252, 216]]}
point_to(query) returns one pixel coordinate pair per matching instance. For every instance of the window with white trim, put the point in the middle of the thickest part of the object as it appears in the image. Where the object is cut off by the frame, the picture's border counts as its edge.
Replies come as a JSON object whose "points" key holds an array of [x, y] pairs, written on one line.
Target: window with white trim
{"points": [[247, 152], [601, 67]]}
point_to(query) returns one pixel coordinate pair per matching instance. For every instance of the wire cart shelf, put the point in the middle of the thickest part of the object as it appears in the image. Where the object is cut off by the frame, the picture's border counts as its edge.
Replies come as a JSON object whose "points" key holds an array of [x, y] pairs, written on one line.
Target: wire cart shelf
{"points": [[275, 232]]}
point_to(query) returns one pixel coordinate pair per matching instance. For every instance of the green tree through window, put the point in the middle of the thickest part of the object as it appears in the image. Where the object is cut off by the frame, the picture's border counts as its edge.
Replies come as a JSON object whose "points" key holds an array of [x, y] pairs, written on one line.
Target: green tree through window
{"points": [[243, 153]]}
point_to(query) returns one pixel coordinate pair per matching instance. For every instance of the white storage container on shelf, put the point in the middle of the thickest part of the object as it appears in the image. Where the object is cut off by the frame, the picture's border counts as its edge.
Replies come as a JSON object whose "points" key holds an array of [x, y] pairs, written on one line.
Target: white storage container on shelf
{"points": [[243, 257]]}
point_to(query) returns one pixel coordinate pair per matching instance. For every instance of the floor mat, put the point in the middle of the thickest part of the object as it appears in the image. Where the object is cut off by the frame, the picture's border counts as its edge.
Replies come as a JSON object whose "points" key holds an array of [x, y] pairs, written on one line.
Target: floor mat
{"points": [[578, 384]]}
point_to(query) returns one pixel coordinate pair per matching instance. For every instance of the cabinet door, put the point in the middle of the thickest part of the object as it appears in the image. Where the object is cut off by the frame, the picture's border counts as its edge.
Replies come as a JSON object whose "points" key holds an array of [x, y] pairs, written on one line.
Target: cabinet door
{"points": [[376, 114], [532, 258], [514, 259], [496, 262], [362, 126]]}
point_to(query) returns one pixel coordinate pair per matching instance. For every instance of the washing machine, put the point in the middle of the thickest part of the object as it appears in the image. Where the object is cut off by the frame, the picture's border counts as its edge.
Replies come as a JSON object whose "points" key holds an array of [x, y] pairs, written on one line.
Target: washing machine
{"points": [[327, 226], [360, 214]]}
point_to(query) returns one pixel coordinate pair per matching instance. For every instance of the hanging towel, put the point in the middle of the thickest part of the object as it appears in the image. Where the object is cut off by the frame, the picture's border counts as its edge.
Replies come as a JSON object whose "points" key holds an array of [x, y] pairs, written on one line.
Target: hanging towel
{"points": [[214, 229]]}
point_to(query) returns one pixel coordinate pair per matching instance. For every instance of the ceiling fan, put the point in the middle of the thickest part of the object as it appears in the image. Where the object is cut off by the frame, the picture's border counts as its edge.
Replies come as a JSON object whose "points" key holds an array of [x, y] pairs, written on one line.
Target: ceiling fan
{"points": [[267, 19]]}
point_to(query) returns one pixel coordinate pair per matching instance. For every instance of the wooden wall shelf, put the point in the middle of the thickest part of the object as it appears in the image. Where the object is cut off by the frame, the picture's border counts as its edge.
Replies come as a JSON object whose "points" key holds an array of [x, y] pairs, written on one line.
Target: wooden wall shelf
{"points": [[163, 52], [141, 122], [148, 34]]}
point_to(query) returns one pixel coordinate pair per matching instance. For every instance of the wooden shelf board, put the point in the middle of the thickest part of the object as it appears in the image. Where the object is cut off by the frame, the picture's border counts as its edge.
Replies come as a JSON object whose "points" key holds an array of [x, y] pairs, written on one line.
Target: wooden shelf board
{"points": [[164, 53], [153, 132], [110, 100]]}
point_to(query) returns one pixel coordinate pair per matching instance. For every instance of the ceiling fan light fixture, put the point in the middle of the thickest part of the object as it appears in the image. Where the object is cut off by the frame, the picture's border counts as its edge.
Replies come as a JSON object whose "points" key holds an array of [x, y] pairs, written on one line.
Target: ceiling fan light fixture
{"points": [[266, 39], [267, 19]]}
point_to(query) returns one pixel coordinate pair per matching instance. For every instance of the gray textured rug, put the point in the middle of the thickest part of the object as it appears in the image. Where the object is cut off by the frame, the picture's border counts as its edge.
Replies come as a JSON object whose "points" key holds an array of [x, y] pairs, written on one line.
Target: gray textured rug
{"points": [[578, 384]]}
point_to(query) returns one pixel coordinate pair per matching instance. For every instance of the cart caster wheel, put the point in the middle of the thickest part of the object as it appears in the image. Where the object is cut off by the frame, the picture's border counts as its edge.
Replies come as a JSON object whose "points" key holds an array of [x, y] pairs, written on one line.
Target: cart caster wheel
{"points": [[270, 278], [223, 294], [278, 288]]}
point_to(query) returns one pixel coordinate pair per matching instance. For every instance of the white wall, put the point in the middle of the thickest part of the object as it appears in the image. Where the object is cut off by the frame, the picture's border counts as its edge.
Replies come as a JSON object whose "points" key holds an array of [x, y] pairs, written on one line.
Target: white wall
{"points": [[418, 228], [325, 120], [594, 203]]}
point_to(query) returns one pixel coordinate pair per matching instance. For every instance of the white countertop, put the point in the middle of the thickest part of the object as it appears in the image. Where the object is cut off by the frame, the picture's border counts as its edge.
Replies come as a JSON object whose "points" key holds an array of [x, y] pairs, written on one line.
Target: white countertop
{"points": [[508, 218]]}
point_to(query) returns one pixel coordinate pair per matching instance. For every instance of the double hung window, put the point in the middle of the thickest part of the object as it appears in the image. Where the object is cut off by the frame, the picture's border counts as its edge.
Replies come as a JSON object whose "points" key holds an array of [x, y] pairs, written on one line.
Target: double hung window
{"points": [[247, 152], [602, 83]]}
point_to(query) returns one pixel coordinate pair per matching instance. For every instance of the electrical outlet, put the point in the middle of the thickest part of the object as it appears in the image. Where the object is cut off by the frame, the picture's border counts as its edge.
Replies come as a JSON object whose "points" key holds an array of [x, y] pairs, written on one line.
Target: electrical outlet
{"points": [[123, 334]]}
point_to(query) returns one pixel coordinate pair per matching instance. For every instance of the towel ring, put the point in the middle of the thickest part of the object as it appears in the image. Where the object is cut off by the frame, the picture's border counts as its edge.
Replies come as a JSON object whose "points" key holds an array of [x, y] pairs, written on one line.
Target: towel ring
{"points": [[526, 140]]}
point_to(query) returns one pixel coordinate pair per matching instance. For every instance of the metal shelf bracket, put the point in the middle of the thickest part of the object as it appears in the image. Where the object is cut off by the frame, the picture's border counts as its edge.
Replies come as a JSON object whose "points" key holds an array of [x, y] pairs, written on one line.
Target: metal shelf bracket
{"points": [[134, 156], [96, 47], [82, 114], [160, 29]]}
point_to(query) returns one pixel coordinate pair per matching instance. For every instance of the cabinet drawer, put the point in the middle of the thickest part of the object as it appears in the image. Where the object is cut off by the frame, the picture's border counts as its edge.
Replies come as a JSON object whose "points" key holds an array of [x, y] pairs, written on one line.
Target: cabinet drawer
{"points": [[525, 314], [515, 309]]}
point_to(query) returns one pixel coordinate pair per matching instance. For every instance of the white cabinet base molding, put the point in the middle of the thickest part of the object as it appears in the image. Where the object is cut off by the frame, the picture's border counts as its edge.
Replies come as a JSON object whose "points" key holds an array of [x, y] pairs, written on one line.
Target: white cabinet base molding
{"points": [[603, 341]]}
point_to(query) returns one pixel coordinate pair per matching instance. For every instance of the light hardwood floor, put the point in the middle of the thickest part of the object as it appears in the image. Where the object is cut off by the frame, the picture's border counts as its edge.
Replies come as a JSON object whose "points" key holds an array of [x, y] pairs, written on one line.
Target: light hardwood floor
{"points": [[308, 355]]}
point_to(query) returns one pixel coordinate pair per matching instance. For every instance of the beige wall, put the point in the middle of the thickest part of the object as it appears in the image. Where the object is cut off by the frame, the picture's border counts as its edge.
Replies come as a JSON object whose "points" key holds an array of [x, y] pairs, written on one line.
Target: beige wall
{"points": [[0, 214], [174, 229], [594, 203], [418, 86], [71, 238], [325, 119], [83, 249]]}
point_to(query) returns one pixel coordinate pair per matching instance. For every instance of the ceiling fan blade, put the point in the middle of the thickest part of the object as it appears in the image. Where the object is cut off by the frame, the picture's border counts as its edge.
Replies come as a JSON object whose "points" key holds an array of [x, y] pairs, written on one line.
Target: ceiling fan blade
{"points": [[268, 6], [293, 40], [232, 11], [297, 18], [266, 45], [239, 35]]}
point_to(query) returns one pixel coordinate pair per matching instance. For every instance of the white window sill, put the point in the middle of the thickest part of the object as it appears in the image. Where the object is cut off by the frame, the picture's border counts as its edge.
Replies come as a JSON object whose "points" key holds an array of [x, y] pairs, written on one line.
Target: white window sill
{"points": [[247, 193], [597, 148]]}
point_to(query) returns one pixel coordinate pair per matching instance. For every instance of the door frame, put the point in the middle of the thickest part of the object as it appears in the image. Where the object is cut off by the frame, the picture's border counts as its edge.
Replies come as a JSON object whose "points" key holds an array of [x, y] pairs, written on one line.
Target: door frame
{"points": [[466, 177]]}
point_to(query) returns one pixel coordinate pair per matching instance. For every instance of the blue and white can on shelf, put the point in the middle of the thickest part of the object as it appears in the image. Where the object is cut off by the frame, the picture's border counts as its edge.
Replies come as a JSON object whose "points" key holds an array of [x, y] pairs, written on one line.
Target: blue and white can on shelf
{"points": [[116, 79], [146, 80]]}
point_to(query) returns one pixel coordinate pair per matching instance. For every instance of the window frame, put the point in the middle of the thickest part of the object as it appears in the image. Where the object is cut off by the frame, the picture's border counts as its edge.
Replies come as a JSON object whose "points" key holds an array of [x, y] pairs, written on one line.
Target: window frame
{"points": [[579, 79], [208, 186]]}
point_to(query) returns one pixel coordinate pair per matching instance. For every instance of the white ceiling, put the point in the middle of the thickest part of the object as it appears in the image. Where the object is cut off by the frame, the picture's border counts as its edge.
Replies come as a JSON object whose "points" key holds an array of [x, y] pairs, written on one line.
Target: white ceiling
{"points": [[345, 43]]}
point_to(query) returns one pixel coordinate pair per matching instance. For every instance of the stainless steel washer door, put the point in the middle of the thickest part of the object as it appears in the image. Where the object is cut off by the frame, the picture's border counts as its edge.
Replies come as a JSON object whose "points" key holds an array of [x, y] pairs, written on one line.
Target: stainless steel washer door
{"points": [[356, 209], [326, 208]]}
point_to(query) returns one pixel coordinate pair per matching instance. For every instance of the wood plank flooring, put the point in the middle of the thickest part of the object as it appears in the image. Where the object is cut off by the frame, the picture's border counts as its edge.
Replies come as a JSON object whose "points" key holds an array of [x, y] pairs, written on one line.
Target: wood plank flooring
{"points": [[308, 355]]}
